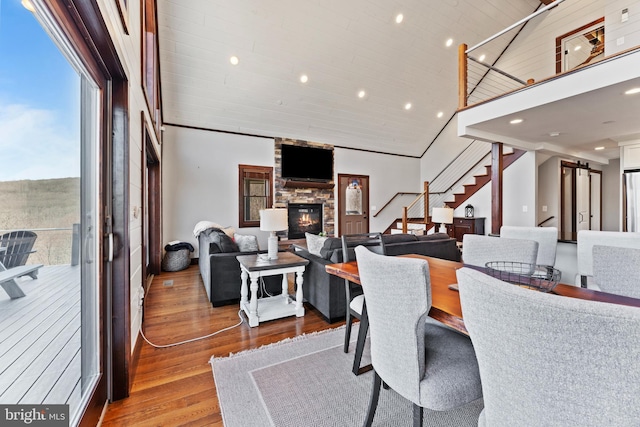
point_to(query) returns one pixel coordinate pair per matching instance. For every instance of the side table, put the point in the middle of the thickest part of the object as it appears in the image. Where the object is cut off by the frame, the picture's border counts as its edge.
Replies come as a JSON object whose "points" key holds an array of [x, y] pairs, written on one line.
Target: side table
{"points": [[275, 307]]}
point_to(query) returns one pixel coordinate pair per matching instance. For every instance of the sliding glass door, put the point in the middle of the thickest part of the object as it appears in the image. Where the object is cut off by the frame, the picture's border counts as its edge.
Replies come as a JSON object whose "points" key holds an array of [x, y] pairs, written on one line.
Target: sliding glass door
{"points": [[51, 185]]}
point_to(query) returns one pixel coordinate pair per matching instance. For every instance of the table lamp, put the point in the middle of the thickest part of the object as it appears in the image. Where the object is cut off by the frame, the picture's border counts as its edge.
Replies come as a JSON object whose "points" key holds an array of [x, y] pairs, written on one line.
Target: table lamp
{"points": [[273, 220], [442, 216]]}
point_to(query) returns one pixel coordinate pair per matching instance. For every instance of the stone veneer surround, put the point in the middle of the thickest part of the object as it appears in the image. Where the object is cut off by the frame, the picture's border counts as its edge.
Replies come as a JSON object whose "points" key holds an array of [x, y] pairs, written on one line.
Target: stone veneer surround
{"points": [[283, 195]]}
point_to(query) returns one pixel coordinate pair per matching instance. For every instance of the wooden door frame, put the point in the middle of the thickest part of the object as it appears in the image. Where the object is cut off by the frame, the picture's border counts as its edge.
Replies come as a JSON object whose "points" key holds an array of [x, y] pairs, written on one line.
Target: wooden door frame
{"points": [[341, 200], [82, 23], [150, 163]]}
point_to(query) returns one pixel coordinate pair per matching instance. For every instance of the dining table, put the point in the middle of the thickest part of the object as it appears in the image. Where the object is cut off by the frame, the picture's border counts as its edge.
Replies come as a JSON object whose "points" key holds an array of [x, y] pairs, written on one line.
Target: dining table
{"points": [[445, 299]]}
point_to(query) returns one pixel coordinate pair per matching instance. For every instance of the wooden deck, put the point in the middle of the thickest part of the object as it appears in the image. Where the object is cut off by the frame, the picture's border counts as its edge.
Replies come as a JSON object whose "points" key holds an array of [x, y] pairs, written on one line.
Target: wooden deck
{"points": [[40, 339]]}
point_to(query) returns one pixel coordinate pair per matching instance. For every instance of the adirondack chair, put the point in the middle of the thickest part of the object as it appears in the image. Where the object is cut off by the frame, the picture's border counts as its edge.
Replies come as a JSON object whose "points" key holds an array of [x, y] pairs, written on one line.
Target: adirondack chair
{"points": [[18, 245], [15, 248]]}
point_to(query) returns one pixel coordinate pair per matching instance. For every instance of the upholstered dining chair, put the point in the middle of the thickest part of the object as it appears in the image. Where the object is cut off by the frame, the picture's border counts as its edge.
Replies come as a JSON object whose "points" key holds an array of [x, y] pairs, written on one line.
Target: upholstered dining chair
{"points": [[547, 238], [587, 239], [430, 365], [617, 270], [547, 360], [354, 296], [478, 250]]}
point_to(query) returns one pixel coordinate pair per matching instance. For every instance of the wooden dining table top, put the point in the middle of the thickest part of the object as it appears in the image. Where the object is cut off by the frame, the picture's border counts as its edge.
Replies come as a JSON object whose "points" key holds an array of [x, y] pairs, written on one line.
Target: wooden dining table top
{"points": [[445, 302]]}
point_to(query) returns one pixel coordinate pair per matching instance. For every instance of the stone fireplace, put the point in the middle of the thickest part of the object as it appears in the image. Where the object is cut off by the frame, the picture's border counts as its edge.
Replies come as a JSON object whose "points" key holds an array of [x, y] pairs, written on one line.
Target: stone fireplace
{"points": [[308, 194], [304, 218]]}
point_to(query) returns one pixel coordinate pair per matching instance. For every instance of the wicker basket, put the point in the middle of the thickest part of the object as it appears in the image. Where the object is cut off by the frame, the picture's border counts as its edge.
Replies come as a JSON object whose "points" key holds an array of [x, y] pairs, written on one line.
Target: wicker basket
{"points": [[540, 277], [176, 260]]}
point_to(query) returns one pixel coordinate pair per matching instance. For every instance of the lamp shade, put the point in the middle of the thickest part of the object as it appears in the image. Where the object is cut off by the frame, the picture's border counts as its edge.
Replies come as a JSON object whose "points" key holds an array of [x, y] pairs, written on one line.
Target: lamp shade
{"points": [[273, 219], [442, 215]]}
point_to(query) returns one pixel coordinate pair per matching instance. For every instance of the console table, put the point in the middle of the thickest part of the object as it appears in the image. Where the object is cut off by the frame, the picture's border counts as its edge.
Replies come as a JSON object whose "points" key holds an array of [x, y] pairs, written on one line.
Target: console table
{"points": [[275, 307], [464, 225]]}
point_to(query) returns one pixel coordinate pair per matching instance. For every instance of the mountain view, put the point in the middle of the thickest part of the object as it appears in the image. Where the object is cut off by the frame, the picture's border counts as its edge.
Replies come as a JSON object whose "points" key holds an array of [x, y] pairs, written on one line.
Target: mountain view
{"points": [[49, 207]]}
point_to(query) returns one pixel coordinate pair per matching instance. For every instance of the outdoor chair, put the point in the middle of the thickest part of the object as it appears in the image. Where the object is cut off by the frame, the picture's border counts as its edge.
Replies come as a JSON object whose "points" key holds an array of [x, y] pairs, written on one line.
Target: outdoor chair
{"points": [[15, 248], [430, 365]]}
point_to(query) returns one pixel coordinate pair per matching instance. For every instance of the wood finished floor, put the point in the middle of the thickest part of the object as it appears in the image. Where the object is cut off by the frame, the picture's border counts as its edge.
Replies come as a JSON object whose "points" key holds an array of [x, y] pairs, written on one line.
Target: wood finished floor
{"points": [[174, 386]]}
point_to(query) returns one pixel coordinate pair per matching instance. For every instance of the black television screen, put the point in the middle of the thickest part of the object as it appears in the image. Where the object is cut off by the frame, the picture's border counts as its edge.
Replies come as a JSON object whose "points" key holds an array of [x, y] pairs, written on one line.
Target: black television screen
{"points": [[306, 163]]}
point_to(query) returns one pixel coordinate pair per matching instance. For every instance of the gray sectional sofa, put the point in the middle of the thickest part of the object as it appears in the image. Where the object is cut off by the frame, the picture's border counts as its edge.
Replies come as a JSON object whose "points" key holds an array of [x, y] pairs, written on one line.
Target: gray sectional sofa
{"points": [[326, 292], [220, 270]]}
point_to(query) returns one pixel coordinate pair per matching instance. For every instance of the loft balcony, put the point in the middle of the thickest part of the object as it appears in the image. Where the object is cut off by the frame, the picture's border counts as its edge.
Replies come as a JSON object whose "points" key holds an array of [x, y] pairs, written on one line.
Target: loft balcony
{"points": [[566, 113]]}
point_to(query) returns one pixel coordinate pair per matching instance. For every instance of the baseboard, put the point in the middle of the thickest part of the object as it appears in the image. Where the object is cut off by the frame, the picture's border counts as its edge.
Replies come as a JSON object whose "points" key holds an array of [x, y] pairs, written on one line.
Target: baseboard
{"points": [[135, 357], [194, 261]]}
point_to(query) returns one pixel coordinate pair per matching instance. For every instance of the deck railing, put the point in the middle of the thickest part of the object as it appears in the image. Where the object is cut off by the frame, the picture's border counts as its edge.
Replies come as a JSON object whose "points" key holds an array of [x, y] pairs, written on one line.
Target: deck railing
{"points": [[55, 246]]}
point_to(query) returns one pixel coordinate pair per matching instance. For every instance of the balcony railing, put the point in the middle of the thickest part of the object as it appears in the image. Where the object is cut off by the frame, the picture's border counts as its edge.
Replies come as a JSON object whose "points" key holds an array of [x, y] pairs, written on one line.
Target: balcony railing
{"points": [[55, 246]]}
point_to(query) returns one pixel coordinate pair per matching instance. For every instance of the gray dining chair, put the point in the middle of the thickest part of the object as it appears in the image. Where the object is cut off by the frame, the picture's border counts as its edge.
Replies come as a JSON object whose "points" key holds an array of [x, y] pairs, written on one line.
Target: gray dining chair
{"points": [[617, 270], [430, 365], [478, 250], [547, 238], [587, 239], [354, 296], [547, 360]]}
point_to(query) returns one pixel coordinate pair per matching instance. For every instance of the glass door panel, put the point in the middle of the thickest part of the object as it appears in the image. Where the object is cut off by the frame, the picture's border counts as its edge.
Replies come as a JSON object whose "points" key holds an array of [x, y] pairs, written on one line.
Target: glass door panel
{"points": [[49, 175]]}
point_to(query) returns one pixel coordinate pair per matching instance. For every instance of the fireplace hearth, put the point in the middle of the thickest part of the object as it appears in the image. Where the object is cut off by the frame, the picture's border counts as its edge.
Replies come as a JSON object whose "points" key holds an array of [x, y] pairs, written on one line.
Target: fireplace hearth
{"points": [[304, 218]]}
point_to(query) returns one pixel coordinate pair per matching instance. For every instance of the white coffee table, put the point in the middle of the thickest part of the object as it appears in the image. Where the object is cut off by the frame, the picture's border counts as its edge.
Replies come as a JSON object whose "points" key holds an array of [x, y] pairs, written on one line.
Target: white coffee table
{"points": [[275, 307]]}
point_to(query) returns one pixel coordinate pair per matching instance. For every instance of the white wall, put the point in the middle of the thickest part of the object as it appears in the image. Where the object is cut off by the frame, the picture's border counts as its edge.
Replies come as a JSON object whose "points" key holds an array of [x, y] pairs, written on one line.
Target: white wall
{"points": [[128, 48], [532, 54], [387, 175], [620, 35], [549, 192], [611, 196], [200, 179], [518, 190]]}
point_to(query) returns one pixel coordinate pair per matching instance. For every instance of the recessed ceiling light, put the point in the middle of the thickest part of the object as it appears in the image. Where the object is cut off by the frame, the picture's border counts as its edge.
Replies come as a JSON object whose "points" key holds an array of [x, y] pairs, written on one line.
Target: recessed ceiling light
{"points": [[449, 42], [633, 91], [554, 133], [407, 106], [440, 114], [599, 148], [577, 48], [482, 57], [361, 94], [399, 18], [304, 78], [516, 121], [234, 60]]}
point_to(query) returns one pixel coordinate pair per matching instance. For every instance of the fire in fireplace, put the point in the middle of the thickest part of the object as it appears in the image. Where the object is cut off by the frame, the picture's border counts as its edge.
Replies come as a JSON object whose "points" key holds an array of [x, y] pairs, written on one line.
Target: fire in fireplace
{"points": [[304, 218]]}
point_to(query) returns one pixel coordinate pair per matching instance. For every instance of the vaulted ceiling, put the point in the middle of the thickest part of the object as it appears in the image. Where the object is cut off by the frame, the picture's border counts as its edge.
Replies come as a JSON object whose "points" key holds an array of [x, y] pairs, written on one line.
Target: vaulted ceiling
{"points": [[363, 70], [343, 47]]}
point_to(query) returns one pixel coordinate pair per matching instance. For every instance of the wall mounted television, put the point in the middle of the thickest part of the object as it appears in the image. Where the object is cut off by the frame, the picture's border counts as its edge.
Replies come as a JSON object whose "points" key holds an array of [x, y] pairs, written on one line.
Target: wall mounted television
{"points": [[302, 163]]}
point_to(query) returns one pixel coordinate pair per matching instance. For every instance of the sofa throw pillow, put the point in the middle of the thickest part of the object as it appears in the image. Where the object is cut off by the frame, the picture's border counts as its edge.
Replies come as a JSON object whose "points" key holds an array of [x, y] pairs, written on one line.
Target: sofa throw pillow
{"points": [[314, 243], [224, 242], [330, 245], [246, 242]]}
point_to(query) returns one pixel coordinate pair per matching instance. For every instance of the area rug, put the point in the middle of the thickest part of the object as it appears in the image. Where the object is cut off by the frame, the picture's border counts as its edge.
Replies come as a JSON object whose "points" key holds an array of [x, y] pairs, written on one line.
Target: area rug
{"points": [[307, 381]]}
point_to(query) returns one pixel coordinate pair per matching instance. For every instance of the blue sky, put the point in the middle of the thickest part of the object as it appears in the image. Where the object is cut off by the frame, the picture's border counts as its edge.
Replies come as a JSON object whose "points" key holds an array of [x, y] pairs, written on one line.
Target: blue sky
{"points": [[39, 101]]}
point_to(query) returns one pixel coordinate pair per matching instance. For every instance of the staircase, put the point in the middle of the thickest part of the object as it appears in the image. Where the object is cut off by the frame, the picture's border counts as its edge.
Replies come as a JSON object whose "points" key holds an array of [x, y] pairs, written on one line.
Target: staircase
{"points": [[418, 225]]}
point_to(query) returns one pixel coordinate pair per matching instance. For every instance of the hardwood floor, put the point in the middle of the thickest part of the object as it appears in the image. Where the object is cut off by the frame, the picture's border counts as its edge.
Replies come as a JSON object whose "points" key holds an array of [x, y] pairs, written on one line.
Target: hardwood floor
{"points": [[174, 386]]}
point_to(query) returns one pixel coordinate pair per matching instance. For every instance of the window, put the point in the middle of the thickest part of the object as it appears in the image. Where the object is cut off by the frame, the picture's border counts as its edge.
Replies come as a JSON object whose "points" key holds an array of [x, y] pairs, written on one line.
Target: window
{"points": [[150, 63], [255, 184]]}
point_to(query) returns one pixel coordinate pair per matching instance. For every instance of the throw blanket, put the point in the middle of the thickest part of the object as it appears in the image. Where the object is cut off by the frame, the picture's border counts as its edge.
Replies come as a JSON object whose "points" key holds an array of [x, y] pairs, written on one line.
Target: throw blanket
{"points": [[205, 225], [176, 246]]}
